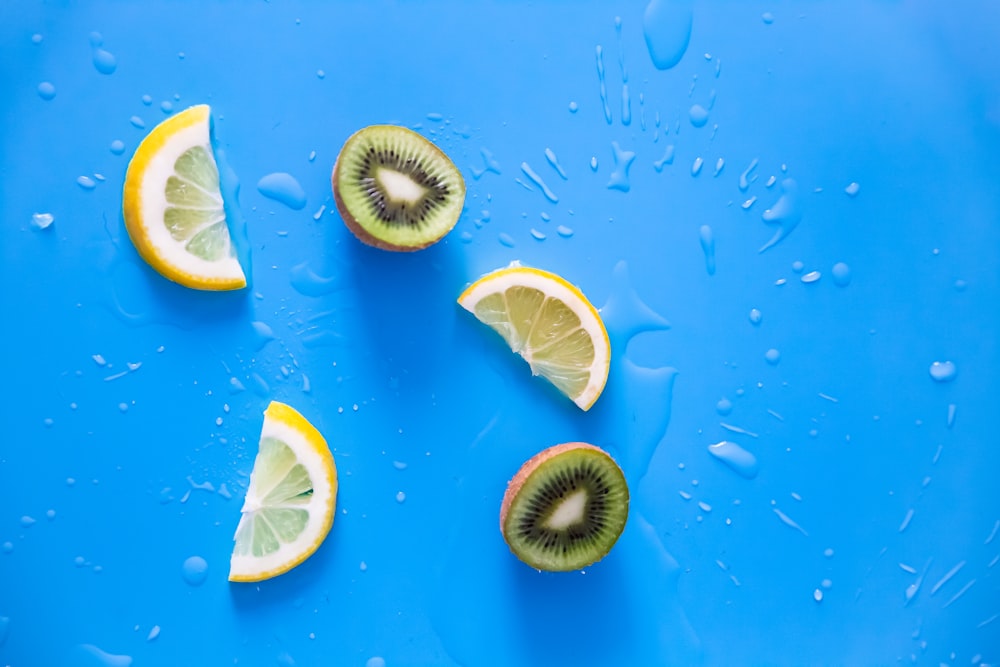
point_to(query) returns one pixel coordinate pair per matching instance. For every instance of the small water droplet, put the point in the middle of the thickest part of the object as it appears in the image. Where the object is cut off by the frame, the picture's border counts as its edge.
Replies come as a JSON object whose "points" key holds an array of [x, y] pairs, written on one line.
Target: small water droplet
{"points": [[719, 166], [117, 147], [195, 570], [696, 166], [8, 547], [818, 595], [811, 277], [320, 74], [86, 182], [537, 235], [37, 38], [841, 274], [363, 566], [943, 371], [738, 459], [852, 189], [104, 61], [619, 179], [798, 266], [698, 115], [153, 633], [400, 497], [137, 122], [375, 661], [772, 356], [755, 316], [554, 162], [506, 239], [282, 187], [46, 90], [27, 521], [707, 247], [147, 100], [785, 213], [668, 158], [748, 177], [167, 107], [573, 107], [593, 163], [724, 406], [767, 18], [42, 220], [749, 202], [564, 231]]}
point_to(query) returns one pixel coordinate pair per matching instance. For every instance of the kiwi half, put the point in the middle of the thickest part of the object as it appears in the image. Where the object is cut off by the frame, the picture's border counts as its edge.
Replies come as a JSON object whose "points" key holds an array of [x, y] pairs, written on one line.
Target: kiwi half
{"points": [[395, 189], [565, 508]]}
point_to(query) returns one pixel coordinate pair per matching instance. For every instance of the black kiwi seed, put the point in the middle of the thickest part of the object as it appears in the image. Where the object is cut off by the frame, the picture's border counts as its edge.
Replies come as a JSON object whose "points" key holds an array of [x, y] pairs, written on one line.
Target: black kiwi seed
{"points": [[546, 521], [395, 189]]}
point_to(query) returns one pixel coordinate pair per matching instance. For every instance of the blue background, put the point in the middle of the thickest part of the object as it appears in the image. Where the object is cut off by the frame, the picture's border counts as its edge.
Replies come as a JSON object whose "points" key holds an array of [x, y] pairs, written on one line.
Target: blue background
{"points": [[115, 471]]}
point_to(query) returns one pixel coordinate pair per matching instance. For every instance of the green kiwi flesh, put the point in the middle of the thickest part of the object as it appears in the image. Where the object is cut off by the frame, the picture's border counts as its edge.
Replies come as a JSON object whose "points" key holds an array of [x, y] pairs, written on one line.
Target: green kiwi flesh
{"points": [[565, 508], [395, 189]]}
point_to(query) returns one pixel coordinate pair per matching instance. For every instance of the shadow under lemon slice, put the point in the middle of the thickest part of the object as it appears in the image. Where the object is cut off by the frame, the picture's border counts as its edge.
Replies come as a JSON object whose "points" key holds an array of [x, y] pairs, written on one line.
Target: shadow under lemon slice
{"points": [[173, 205]]}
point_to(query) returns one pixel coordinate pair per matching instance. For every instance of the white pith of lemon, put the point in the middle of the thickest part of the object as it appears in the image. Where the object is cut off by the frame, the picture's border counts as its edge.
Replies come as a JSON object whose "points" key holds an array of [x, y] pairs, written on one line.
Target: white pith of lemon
{"points": [[173, 207], [290, 502], [550, 323]]}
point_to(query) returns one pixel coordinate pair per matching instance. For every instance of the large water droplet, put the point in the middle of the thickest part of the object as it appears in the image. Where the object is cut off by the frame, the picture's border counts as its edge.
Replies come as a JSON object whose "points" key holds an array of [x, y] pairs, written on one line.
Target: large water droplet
{"points": [[666, 25], [738, 459], [283, 188], [943, 371]]}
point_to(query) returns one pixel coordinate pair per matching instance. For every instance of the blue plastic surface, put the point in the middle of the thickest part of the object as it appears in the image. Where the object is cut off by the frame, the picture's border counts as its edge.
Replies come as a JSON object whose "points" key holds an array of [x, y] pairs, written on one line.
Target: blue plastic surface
{"points": [[789, 212]]}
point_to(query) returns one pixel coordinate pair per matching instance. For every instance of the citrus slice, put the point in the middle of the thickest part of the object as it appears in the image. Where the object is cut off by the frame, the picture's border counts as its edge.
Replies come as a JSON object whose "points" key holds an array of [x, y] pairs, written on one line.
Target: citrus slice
{"points": [[290, 501], [550, 323], [173, 205]]}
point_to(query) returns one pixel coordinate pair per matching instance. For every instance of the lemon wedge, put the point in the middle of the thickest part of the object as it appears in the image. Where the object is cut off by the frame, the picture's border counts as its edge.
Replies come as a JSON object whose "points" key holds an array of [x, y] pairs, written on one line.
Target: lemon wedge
{"points": [[550, 323], [290, 501], [173, 205]]}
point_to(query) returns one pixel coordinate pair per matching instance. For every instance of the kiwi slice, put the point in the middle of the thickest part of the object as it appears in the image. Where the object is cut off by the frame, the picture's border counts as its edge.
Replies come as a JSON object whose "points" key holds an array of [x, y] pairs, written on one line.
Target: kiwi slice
{"points": [[565, 508], [395, 189]]}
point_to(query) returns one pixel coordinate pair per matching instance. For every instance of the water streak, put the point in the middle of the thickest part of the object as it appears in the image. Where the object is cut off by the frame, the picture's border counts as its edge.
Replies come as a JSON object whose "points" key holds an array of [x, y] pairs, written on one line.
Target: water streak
{"points": [[537, 180]]}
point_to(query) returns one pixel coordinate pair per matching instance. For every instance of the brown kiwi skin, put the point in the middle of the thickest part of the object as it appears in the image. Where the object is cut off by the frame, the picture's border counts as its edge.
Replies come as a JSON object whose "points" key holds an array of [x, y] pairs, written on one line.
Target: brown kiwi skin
{"points": [[530, 466], [360, 231]]}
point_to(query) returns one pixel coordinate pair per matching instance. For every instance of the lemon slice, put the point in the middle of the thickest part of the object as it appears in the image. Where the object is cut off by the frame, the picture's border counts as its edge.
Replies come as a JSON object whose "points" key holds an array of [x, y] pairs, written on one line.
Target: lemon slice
{"points": [[550, 323], [290, 501], [173, 206]]}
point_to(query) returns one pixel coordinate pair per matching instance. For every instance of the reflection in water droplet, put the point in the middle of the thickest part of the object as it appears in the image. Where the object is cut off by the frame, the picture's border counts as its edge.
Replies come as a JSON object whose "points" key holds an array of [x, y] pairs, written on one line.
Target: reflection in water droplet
{"points": [[738, 459], [619, 179], [283, 188], [195, 570], [666, 25], [785, 213], [943, 371], [707, 247], [841, 274]]}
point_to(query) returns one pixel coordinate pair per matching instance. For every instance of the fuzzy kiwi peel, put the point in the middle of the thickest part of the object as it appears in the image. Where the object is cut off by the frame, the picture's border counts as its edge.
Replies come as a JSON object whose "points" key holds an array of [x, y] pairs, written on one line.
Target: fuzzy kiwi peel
{"points": [[565, 508], [395, 189]]}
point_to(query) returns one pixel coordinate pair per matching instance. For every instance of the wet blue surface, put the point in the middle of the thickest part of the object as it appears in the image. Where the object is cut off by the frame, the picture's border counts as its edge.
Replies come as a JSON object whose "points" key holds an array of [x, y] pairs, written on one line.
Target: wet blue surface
{"points": [[789, 214]]}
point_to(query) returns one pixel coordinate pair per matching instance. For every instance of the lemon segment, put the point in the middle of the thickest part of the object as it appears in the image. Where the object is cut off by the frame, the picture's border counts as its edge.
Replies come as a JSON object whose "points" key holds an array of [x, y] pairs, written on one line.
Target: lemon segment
{"points": [[173, 207], [290, 502], [550, 323]]}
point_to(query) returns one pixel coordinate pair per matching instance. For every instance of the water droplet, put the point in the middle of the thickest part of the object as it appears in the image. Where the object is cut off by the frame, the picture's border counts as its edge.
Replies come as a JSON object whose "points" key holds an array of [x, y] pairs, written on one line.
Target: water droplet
{"points": [[785, 213], [42, 220], [363, 566], [537, 180], [906, 520], [666, 25], [400, 497], [828, 553], [719, 166], [755, 316], [50, 514], [537, 235], [619, 179], [811, 277], [86, 182], [818, 595], [707, 247], [852, 189], [167, 107], [137, 122], [798, 266], [943, 371], [375, 662], [195, 570], [604, 87], [8, 547], [772, 356], [841, 274], [724, 406], [283, 188], [767, 18], [668, 158], [738, 459], [696, 166], [698, 115], [506, 239], [28, 521], [951, 415], [153, 633], [147, 100], [554, 162], [564, 231], [46, 90], [785, 519], [37, 38], [320, 74], [105, 659], [593, 163], [748, 177], [104, 61], [573, 107], [117, 147]]}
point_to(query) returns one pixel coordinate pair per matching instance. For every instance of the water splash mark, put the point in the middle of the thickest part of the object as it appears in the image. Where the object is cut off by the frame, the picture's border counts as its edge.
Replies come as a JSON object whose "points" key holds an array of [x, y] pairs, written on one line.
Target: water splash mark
{"points": [[962, 591], [947, 577], [309, 282], [537, 180], [553, 161], [604, 85], [666, 25], [785, 519], [626, 99], [490, 164], [707, 241], [785, 213], [619, 179]]}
